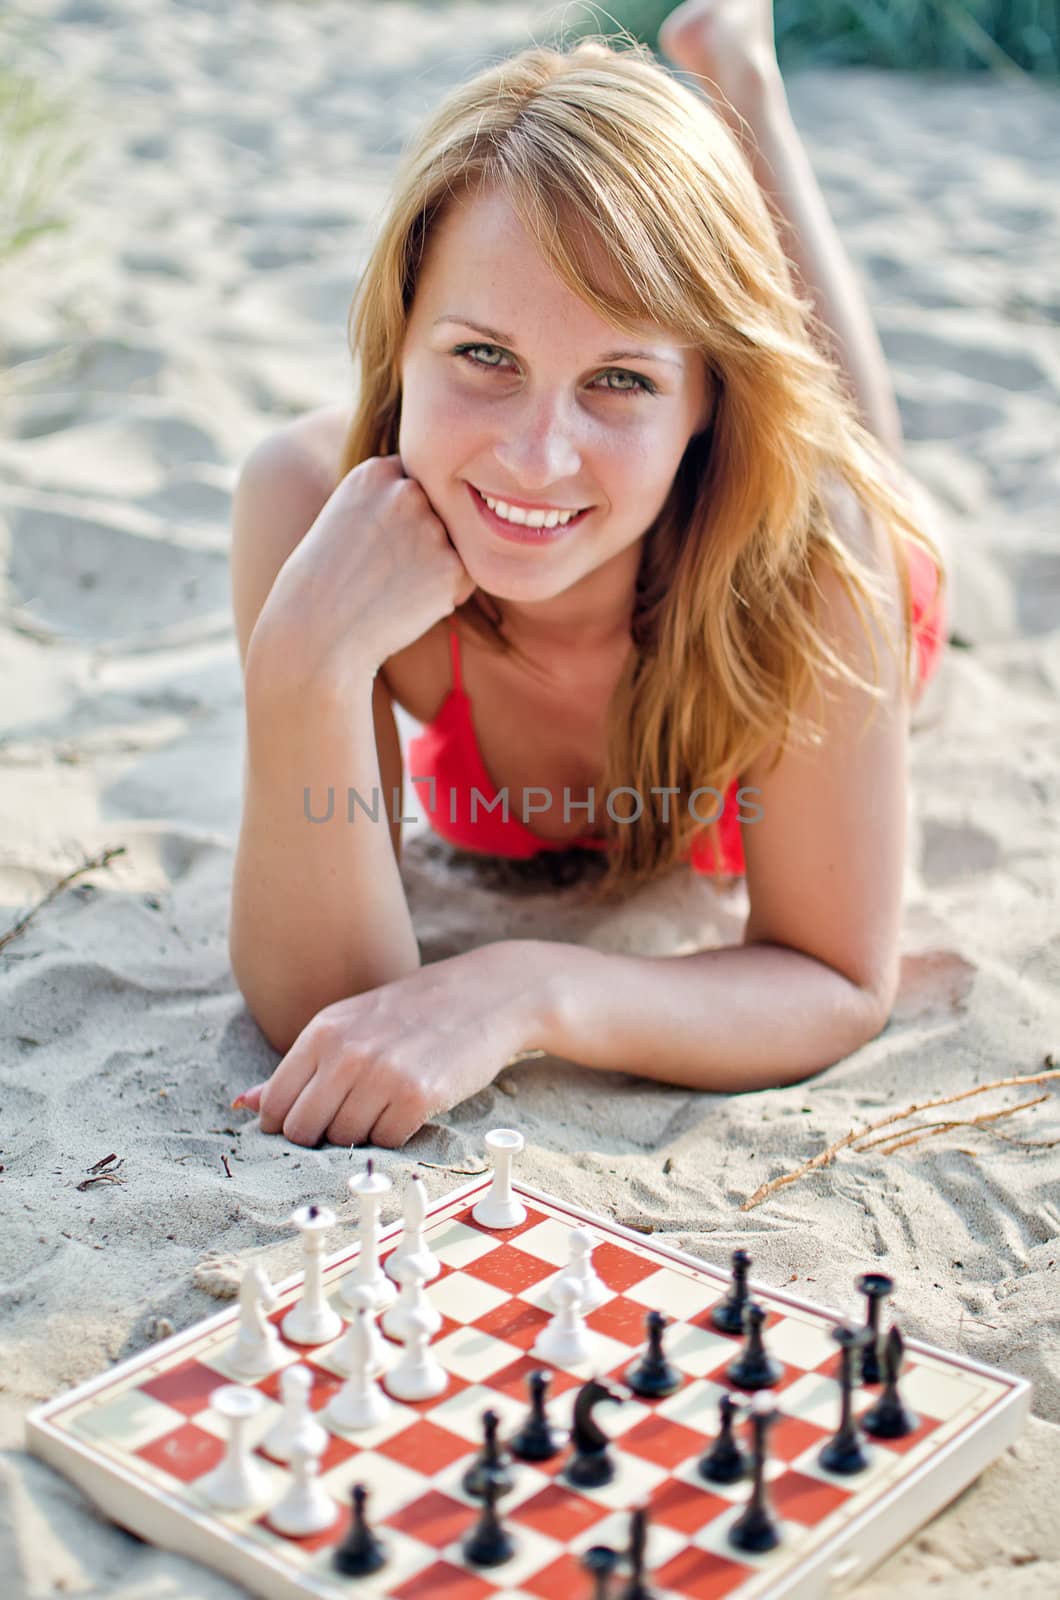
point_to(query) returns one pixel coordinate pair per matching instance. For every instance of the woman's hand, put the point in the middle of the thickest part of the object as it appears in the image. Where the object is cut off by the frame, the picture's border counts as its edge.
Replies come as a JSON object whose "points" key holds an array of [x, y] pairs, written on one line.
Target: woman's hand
{"points": [[373, 1069], [375, 571]]}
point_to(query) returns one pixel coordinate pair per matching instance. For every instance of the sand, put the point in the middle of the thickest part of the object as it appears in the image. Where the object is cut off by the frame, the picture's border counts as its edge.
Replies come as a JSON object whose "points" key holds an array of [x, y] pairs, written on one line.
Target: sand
{"points": [[239, 154]]}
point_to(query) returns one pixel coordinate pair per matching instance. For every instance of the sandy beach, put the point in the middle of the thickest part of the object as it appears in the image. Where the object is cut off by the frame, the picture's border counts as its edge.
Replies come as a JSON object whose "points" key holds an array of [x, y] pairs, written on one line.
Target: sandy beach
{"points": [[239, 154]]}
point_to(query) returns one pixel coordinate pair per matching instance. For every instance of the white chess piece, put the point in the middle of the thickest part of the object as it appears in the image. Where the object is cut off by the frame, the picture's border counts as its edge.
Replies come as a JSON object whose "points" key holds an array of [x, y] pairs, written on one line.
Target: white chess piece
{"points": [[380, 1354], [256, 1348], [499, 1208], [593, 1289], [412, 1241], [239, 1482], [312, 1320], [296, 1421], [417, 1376], [360, 1403], [369, 1187], [413, 1298], [566, 1341], [306, 1507]]}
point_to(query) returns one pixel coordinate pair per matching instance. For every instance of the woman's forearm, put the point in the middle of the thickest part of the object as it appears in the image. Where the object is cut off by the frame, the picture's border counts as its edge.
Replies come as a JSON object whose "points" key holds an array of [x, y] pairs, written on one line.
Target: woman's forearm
{"points": [[740, 1017], [318, 908], [812, 243]]}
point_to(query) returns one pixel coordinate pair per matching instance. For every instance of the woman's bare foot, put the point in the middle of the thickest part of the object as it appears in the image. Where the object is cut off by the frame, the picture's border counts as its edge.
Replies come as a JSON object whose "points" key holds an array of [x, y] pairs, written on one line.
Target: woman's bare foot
{"points": [[728, 42]]}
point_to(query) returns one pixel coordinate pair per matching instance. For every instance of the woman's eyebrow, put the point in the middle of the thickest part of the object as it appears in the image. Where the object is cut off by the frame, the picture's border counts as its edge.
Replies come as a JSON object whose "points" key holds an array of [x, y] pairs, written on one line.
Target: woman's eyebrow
{"points": [[609, 355]]}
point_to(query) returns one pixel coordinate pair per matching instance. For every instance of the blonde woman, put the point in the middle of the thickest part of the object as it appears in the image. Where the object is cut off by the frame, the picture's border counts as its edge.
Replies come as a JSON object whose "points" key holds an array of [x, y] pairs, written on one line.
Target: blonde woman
{"points": [[704, 648]]}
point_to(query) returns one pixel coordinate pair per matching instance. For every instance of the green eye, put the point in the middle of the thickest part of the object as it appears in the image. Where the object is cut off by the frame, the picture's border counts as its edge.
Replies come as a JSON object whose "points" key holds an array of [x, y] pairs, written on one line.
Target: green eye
{"points": [[643, 385]]}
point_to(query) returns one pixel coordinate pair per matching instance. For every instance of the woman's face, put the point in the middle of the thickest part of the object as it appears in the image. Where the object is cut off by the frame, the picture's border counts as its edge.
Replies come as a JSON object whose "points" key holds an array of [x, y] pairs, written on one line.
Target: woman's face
{"points": [[550, 410]]}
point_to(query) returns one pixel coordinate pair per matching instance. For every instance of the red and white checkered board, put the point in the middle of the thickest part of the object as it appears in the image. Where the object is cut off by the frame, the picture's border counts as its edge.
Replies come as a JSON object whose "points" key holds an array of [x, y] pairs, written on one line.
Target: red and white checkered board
{"points": [[137, 1439]]}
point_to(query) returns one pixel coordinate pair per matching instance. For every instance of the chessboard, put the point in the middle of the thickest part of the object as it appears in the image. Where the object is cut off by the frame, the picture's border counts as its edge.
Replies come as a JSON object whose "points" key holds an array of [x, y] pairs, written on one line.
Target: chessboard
{"points": [[145, 1440]]}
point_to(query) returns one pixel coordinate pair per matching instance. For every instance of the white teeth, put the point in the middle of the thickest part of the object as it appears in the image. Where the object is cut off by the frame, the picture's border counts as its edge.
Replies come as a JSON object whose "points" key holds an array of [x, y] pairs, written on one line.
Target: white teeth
{"points": [[529, 519]]}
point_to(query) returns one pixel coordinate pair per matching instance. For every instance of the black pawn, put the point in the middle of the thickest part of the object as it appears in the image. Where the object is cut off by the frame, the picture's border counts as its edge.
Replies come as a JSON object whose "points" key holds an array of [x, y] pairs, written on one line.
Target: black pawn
{"points": [[537, 1439], [489, 1462], [728, 1316], [636, 1588], [489, 1543], [845, 1452], [653, 1376], [362, 1551], [754, 1367], [725, 1461], [875, 1286], [600, 1562], [755, 1529], [890, 1417]]}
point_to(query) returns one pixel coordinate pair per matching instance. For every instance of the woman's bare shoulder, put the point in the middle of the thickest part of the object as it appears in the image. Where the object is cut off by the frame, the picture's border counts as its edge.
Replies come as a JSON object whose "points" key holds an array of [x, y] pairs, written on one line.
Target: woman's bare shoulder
{"points": [[322, 433]]}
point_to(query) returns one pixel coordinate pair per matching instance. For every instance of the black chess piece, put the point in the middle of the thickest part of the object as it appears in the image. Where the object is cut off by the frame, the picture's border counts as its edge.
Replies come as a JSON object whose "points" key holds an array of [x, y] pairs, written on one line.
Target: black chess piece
{"points": [[652, 1375], [489, 1542], [600, 1562], [755, 1529], [875, 1286], [845, 1451], [890, 1417], [362, 1551], [725, 1461], [591, 1465], [637, 1588], [727, 1316], [537, 1439], [754, 1367], [489, 1461]]}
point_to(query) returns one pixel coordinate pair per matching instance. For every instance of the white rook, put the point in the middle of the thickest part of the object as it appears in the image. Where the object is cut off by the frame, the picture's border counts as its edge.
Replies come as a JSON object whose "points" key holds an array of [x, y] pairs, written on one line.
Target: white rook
{"points": [[499, 1208]]}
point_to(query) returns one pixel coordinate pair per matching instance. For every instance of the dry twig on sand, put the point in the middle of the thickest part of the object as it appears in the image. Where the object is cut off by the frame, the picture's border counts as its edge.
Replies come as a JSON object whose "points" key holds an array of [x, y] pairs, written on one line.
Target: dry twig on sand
{"points": [[825, 1157], [86, 866]]}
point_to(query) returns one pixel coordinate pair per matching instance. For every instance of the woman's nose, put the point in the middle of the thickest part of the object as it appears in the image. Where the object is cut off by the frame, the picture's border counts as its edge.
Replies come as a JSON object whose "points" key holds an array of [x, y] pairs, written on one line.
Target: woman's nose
{"points": [[539, 450]]}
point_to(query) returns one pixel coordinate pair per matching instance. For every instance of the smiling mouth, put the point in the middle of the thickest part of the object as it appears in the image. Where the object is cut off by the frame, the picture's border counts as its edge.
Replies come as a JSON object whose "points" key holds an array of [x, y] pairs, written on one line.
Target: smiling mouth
{"points": [[573, 512]]}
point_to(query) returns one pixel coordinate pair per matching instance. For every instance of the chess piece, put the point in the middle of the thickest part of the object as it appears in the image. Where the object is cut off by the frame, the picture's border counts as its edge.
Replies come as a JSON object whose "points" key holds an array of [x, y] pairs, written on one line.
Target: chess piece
{"points": [[600, 1562], [417, 1376], [362, 1551], [537, 1439], [490, 1462], [369, 1186], [240, 1482], [727, 1316], [306, 1507], [637, 1588], [412, 1242], [312, 1320], [296, 1420], [724, 1461], [755, 1529], [256, 1350], [653, 1376], [413, 1297], [346, 1352], [890, 1417], [489, 1542], [754, 1367], [845, 1452], [499, 1208], [580, 1267], [591, 1465], [360, 1403], [875, 1286], [565, 1341]]}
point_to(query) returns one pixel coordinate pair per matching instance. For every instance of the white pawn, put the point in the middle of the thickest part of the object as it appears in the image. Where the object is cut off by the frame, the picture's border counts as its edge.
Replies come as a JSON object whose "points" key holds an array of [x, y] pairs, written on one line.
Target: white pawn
{"points": [[239, 1482], [296, 1421], [593, 1289], [344, 1356], [566, 1341], [413, 1242], [306, 1507], [360, 1403], [256, 1348], [417, 1376], [413, 1298]]}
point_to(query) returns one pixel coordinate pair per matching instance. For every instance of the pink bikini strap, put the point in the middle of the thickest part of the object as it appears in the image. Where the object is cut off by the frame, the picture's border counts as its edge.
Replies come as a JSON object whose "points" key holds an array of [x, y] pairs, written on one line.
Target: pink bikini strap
{"points": [[454, 652]]}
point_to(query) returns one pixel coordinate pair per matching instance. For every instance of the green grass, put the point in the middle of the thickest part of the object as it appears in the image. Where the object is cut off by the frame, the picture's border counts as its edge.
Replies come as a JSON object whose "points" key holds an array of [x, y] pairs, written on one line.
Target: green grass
{"points": [[1010, 37]]}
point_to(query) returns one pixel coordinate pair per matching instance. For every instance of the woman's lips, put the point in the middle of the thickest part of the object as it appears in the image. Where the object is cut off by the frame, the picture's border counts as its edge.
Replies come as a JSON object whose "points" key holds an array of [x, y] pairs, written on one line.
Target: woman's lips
{"points": [[520, 534]]}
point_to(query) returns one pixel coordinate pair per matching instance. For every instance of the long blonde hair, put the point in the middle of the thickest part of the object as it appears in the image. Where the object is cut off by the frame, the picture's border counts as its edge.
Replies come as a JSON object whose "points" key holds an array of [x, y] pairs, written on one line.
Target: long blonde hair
{"points": [[724, 623]]}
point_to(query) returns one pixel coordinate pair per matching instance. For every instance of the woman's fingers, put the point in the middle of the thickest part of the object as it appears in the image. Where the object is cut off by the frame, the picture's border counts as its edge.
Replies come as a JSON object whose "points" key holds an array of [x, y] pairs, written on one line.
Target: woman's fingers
{"points": [[248, 1099], [298, 1067]]}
